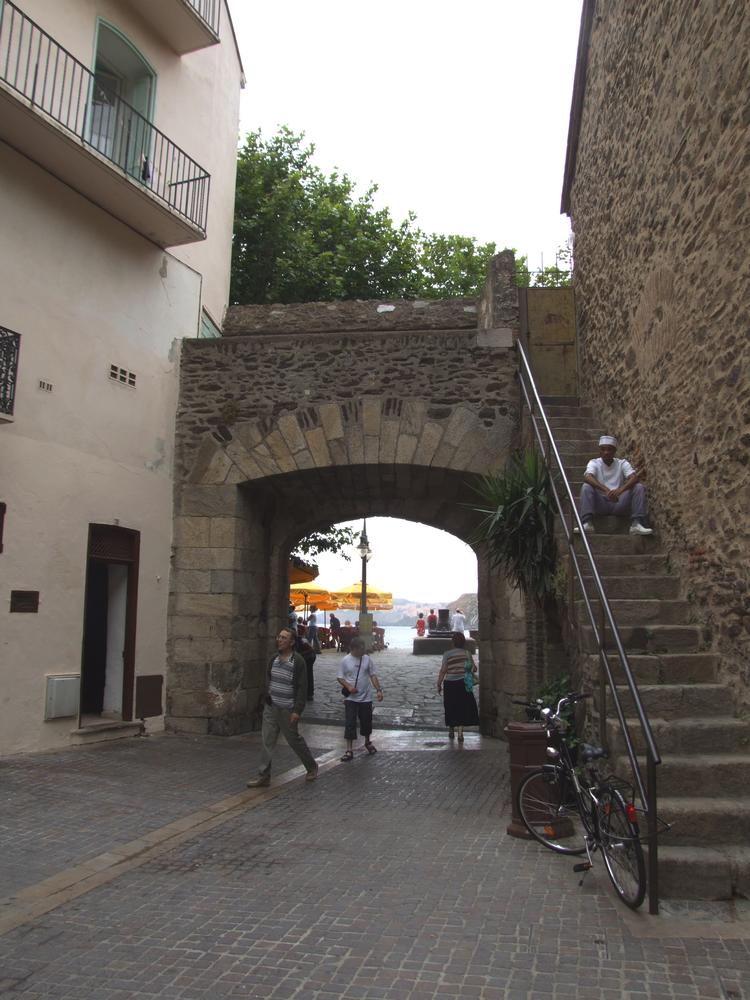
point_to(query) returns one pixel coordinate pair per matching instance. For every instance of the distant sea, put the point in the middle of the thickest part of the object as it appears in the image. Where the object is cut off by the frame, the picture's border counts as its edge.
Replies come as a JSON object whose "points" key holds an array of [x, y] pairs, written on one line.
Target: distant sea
{"points": [[399, 636]]}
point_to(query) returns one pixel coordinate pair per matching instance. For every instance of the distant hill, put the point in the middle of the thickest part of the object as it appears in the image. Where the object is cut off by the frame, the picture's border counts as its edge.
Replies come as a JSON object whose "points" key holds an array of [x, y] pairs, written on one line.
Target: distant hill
{"points": [[405, 611]]}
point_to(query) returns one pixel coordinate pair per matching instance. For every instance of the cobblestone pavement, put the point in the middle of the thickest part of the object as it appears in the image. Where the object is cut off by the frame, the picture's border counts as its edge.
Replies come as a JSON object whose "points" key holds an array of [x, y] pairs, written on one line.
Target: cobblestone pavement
{"points": [[388, 878], [410, 685]]}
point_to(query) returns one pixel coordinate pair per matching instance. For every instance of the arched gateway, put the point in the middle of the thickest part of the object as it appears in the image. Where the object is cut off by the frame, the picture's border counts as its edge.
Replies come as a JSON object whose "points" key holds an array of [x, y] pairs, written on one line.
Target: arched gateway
{"points": [[303, 416]]}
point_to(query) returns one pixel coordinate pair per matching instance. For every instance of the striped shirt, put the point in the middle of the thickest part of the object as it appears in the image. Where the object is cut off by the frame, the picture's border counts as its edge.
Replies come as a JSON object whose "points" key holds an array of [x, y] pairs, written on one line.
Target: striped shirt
{"points": [[281, 688], [454, 664]]}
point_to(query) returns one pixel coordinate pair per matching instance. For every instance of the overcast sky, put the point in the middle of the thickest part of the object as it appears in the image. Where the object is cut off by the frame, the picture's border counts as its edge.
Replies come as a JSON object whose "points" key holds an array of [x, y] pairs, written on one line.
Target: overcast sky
{"points": [[459, 112]]}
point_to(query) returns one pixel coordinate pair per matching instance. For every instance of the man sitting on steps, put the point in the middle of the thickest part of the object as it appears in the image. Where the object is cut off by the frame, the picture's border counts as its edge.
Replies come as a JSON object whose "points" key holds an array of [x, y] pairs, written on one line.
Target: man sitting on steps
{"points": [[611, 486]]}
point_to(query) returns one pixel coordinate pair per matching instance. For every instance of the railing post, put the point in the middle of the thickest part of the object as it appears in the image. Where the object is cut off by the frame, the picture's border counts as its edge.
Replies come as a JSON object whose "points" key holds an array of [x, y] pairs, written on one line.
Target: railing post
{"points": [[602, 677], [653, 850]]}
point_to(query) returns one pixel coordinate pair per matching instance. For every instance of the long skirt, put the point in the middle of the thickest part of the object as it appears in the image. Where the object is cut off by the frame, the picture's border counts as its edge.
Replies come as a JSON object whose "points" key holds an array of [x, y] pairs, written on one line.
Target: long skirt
{"points": [[460, 704]]}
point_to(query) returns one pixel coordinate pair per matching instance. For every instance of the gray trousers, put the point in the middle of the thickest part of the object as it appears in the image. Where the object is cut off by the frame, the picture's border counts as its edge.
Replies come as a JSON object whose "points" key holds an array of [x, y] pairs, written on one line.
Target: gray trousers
{"points": [[275, 721], [633, 503]]}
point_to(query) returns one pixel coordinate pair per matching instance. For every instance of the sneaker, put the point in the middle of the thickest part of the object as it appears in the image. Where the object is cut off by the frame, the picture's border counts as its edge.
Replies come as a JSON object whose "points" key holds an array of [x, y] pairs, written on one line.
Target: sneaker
{"points": [[260, 782], [312, 775], [636, 528], [588, 527]]}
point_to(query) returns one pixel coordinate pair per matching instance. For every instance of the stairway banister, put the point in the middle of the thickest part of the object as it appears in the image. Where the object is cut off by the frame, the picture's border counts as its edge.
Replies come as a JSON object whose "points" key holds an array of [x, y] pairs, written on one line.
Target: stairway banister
{"points": [[648, 794]]}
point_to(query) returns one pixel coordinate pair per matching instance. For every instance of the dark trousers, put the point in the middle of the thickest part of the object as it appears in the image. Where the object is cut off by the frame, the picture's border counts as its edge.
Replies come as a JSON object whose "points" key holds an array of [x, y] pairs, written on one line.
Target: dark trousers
{"points": [[361, 710]]}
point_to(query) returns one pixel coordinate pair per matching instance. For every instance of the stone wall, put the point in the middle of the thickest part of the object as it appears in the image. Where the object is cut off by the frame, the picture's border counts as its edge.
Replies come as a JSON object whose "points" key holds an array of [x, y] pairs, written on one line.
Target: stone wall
{"points": [[661, 215], [286, 430]]}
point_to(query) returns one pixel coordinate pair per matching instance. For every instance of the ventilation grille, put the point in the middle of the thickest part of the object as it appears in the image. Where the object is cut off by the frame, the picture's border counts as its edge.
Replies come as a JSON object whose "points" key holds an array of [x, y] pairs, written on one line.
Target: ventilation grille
{"points": [[45, 386], [122, 376]]}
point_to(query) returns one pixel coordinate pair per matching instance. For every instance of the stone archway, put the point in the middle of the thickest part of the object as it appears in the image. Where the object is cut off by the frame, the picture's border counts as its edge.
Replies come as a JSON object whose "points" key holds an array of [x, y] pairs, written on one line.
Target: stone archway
{"points": [[284, 430]]}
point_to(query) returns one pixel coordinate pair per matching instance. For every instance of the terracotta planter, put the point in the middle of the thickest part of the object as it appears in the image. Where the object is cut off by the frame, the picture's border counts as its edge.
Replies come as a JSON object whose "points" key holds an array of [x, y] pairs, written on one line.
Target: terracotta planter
{"points": [[527, 746]]}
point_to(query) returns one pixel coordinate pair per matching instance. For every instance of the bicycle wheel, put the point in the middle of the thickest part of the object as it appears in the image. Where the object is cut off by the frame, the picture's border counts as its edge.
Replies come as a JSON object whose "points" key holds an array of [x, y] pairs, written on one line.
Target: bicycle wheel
{"points": [[621, 848], [549, 807]]}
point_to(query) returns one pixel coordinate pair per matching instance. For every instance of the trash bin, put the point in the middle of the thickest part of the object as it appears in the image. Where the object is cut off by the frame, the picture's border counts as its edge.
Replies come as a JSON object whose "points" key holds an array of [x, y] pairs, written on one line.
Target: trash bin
{"points": [[527, 746]]}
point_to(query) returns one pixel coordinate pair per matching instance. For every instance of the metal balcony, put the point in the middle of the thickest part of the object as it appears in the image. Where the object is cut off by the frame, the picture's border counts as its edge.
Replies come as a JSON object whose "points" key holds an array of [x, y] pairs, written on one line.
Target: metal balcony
{"points": [[53, 110], [185, 25], [10, 345]]}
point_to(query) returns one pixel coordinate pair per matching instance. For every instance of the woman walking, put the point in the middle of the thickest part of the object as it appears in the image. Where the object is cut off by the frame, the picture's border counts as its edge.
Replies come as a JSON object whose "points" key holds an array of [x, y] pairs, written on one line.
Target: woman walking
{"points": [[456, 680]]}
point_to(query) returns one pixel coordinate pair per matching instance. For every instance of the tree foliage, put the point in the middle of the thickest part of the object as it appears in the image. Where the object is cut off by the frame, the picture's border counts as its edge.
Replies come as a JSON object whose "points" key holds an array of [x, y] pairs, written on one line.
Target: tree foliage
{"points": [[518, 524], [557, 275], [303, 236], [331, 539]]}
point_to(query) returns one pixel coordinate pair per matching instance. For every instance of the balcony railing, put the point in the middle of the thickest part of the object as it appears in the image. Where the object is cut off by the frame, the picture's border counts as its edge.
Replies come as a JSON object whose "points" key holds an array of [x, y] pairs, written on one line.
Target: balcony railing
{"points": [[10, 345], [209, 10], [55, 83]]}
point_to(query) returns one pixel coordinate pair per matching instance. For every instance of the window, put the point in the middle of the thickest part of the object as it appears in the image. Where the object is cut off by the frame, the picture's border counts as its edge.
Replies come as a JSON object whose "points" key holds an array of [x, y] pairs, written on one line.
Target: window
{"points": [[208, 328], [122, 104]]}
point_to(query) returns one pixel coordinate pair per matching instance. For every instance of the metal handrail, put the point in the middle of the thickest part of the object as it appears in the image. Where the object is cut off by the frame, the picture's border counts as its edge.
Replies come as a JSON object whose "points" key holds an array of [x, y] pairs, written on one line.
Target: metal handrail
{"points": [[209, 11], [647, 791], [34, 65]]}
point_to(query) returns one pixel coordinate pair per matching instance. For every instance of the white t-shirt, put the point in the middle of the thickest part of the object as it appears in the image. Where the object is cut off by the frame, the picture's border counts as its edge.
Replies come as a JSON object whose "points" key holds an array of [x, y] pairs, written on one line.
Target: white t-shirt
{"points": [[612, 476], [348, 672], [459, 622]]}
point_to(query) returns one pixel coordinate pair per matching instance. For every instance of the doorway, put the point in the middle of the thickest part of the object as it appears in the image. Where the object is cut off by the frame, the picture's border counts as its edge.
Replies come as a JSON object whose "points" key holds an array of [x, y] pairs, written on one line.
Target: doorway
{"points": [[108, 653]]}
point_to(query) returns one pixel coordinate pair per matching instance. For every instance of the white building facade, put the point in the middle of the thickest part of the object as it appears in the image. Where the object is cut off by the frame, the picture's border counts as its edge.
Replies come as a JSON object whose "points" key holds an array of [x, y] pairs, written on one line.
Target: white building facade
{"points": [[118, 140]]}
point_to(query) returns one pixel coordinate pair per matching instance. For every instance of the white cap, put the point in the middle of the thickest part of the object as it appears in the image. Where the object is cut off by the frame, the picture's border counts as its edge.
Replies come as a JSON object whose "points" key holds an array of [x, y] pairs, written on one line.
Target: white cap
{"points": [[607, 439]]}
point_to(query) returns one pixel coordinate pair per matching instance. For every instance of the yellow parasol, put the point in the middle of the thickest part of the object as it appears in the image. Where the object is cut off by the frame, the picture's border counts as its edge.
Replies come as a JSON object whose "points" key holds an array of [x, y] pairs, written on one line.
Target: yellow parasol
{"points": [[377, 600], [303, 594], [300, 571]]}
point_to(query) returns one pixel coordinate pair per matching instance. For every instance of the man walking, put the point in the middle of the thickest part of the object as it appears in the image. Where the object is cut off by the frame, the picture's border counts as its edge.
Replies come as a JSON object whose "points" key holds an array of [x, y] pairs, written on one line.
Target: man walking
{"points": [[611, 486], [286, 696]]}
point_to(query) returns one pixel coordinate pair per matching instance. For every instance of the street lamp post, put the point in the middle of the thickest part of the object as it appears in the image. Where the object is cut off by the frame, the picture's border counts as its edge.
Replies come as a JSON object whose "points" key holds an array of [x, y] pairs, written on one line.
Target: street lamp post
{"points": [[365, 619]]}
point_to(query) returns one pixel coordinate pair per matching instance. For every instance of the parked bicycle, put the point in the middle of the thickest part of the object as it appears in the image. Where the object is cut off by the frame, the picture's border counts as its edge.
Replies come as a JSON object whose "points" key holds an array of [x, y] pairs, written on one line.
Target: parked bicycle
{"points": [[571, 810]]}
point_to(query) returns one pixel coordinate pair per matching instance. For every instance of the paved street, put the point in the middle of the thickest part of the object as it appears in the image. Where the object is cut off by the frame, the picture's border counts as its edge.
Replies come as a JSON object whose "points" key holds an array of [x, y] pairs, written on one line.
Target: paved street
{"points": [[410, 685], [145, 868]]}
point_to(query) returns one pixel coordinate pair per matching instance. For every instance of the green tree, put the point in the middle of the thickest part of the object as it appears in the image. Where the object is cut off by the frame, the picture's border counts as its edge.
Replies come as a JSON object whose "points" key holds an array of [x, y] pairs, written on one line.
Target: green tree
{"points": [[331, 539], [557, 275], [303, 236]]}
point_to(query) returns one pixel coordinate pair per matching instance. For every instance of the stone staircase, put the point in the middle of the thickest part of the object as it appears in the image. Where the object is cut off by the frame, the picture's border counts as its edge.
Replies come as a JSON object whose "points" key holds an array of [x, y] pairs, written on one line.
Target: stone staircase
{"points": [[704, 779]]}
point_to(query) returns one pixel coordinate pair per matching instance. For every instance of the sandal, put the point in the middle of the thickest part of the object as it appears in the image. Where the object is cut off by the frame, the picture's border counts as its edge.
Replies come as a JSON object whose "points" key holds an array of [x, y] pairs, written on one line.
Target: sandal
{"points": [[349, 755], [371, 748]]}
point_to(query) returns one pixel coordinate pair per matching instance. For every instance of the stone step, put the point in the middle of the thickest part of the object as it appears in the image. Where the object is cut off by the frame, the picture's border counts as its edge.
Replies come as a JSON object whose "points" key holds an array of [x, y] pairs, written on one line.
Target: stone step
{"points": [[576, 428], [704, 822], [649, 639], [709, 775], [644, 610], [561, 410], [703, 872], [638, 564], [616, 545], [104, 731], [622, 587], [666, 668], [675, 701], [719, 734]]}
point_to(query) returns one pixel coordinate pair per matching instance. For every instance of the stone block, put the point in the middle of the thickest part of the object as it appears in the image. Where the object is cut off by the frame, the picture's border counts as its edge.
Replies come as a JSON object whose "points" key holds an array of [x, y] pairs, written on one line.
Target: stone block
{"points": [[188, 726], [330, 418], [304, 459], [316, 440], [206, 558], [280, 451], [182, 626], [371, 415], [413, 416], [372, 450], [405, 448], [248, 433], [499, 336], [226, 677], [243, 460], [355, 445], [292, 432], [262, 456], [461, 422], [207, 501], [223, 532], [432, 435], [201, 650], [191, 531], [388, 440], [188, 676], [212, 464], [443, 457], [229, 582], [190, 581], [204, 604]]}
